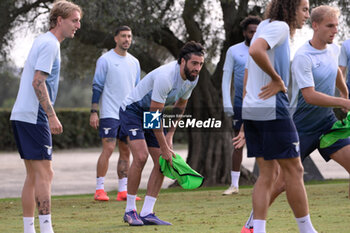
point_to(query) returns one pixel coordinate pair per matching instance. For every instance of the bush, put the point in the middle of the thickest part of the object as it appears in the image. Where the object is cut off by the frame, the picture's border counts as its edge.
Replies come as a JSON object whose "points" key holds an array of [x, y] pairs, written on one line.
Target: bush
{"points": [[77, 132], [7, 140]]}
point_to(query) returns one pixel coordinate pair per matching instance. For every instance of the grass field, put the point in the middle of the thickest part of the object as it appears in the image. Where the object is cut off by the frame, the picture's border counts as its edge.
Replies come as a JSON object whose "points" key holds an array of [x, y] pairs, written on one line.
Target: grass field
{"points": [[202, 210]]}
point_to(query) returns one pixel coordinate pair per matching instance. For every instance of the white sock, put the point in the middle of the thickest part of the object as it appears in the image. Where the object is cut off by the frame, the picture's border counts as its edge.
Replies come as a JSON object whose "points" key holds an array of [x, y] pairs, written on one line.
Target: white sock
{"points": [[259, 226], [100, 183], [235, 178], [130, 202], [305, 225], [45, 223], [148, 205], [122, 184], [28, 225], [250, 222]]}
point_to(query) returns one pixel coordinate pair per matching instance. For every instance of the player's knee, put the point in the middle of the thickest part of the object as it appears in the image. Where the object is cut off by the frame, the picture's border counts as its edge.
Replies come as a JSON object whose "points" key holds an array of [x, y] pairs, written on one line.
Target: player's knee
{"points": [[268, 179], [49, 175], [295, 170], [140, 161], [45, 175], [108, 150], [269, 175]]}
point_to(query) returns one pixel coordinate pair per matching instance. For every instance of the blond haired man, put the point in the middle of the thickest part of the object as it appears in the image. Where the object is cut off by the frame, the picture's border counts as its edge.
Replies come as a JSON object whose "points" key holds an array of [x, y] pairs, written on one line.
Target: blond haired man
{"points": [[33, 116]]}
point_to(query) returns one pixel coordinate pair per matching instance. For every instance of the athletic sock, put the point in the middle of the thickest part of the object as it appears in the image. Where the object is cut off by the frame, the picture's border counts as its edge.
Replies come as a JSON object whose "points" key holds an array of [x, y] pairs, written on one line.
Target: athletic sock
{"points": [[122, 184], [235, 178], [148, 205], [130, 203], [250, 221], [259, 226], [100, 183], [28, 225], [305, 225], [45, 223]]}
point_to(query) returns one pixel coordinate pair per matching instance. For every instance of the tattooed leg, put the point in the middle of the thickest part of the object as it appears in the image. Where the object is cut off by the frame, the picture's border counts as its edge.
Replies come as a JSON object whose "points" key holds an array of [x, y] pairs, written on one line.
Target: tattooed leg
{"points": [[122, 168], [124, 160], [44, 206]]}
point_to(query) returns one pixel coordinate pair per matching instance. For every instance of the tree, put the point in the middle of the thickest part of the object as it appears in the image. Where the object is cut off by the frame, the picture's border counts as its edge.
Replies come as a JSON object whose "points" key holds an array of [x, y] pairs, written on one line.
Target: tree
{"points": [[9, 84], [15, 12], [160, 28]]}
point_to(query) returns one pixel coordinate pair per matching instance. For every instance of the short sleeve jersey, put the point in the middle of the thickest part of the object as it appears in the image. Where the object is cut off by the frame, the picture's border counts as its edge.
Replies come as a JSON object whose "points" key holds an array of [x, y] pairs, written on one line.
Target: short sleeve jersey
{"points": [[43, 56], [313, 68], [276, 34], [344, 58], [115, 77], [236, 58], [164, 85]]}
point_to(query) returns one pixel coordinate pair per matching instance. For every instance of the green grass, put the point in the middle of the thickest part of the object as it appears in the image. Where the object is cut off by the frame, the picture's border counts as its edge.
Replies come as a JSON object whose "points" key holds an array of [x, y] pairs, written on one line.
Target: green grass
{"points": [[202, 210]]}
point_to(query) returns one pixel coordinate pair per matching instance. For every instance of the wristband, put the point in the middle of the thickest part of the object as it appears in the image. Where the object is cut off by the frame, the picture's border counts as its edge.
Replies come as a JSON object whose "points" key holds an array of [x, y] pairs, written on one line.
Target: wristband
{"points": [[93, 110]]}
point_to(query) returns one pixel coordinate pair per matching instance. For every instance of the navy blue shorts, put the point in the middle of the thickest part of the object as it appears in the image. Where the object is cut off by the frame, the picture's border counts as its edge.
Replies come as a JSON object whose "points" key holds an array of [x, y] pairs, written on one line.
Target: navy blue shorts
{"points": [[132, 127], [34, 141], [110, 128], [237, 118], [311, 141], [275, 139]]}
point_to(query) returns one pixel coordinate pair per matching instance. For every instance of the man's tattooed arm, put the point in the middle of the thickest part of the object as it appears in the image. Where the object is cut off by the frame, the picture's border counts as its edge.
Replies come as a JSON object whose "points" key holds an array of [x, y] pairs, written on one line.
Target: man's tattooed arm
{"points": [[42, 93]]}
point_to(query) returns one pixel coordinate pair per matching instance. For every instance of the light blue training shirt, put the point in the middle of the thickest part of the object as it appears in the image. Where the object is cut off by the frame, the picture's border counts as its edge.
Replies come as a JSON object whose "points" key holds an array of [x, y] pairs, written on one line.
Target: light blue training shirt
{"points": [[344, 59], [115, 77], [43, 56], [236, 59], [313, 68]]}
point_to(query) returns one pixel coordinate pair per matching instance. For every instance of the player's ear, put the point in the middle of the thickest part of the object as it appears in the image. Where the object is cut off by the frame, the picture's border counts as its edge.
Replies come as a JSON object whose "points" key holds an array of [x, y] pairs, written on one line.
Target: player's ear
{"points": [[183, 61], [59, 20]]}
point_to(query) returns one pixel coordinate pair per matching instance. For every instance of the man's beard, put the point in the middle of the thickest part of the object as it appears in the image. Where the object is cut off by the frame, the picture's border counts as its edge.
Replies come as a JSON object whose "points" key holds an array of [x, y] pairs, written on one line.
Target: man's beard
{"points": [[188, 74], [123, 48], [247, 41]]}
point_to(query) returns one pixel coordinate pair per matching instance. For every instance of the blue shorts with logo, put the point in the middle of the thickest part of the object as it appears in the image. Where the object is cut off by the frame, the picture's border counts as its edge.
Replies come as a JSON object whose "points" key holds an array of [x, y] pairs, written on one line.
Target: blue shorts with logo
{"points": [[310, 141], [132, 127], [110, 128], [34, 141], [275, 139]]}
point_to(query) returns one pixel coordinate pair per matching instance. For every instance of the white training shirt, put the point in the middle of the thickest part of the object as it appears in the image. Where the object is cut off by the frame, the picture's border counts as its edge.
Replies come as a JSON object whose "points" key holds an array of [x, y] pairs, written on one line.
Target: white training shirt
{"points": [[43, 56], [276, 34], [163, 85]]}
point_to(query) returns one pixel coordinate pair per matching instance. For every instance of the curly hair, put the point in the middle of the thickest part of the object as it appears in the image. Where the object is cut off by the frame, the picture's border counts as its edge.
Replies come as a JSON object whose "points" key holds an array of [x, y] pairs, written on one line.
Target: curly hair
{"points": [[190, 48], [283, 10], [250, 19]]}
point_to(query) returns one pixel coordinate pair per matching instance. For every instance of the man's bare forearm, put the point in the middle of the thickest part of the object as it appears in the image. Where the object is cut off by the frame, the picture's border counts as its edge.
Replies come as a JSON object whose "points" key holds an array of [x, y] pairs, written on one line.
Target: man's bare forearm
{"points": [[42, 93]]}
